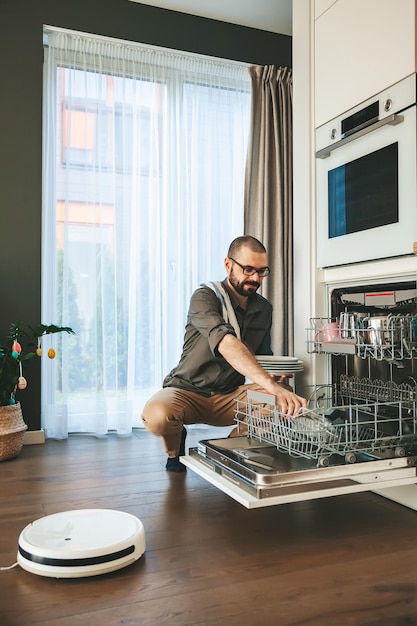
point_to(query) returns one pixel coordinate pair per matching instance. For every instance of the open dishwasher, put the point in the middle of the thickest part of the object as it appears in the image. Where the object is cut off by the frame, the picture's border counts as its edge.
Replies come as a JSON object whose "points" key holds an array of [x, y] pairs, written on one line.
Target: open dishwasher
{"points": [[279, 459], [360, 432]]}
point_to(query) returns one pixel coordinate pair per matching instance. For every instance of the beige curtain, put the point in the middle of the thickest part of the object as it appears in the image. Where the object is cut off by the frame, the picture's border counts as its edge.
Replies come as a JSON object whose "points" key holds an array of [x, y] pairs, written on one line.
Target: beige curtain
{"points": [[268, 192]]}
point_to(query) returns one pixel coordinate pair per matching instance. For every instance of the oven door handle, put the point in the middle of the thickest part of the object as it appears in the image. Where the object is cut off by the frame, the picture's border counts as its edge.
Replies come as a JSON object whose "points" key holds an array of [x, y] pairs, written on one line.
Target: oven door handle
{"points": [[391, 119]]}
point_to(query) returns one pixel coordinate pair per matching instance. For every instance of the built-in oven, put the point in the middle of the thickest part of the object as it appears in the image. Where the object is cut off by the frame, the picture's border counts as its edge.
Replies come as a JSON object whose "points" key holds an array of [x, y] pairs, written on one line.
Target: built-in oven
{"points": [[360, 432], [366, 179]]}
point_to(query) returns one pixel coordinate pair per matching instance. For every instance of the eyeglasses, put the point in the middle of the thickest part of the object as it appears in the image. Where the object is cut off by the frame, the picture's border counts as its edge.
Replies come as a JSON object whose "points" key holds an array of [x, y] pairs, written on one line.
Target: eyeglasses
{"points": [[248, 270]]}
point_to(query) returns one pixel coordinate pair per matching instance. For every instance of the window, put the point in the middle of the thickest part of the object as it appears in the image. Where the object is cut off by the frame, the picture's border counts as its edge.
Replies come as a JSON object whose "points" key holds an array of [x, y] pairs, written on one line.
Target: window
{"points": [[144, 166]]}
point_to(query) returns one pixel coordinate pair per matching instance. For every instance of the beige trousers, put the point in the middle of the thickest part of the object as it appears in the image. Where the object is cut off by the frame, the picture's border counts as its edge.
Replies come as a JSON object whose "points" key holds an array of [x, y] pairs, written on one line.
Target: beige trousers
{"points": [[171, 408]]}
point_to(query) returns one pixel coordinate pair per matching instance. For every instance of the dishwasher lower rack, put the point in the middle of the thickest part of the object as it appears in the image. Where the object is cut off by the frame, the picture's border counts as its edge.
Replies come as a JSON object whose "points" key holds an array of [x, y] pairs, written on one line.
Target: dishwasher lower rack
{"points": [[378, 429]]}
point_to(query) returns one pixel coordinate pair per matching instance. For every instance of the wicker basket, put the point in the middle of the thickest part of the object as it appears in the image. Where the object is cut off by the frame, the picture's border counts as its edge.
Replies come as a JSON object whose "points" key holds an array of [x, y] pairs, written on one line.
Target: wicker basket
{"points": [[12, 431]]}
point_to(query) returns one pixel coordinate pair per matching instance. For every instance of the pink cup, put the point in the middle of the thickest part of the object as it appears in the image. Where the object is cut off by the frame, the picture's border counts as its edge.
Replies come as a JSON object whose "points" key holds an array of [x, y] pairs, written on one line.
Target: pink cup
{"points": [[329, 332]]}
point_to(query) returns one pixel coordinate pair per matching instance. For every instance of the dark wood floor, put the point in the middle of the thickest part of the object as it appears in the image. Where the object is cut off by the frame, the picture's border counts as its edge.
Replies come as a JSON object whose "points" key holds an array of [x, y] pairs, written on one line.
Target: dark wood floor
{"points": [[209, 561]]}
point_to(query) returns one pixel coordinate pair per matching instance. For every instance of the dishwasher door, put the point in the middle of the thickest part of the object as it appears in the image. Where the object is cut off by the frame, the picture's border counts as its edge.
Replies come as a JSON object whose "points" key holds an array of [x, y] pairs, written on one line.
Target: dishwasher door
{"points": [[256, 474]]}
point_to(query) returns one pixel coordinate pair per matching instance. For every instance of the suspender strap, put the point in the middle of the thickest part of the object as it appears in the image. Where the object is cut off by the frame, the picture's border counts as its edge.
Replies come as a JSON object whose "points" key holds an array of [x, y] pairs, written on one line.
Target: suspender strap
{"points": [[228, 312]]}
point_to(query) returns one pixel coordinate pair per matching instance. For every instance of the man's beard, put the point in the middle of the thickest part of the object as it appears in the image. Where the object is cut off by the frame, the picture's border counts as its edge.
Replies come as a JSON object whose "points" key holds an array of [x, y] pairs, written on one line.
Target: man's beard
{"points": [[251, 286]]}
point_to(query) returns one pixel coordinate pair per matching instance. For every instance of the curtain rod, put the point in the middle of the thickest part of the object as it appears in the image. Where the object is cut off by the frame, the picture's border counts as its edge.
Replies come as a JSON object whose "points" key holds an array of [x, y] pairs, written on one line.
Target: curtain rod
{"points": [[56, 29]]}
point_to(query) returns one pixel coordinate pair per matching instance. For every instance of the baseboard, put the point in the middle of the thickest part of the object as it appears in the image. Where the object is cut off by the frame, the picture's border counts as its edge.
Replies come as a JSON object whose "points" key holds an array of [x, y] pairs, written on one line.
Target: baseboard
{"points": [[33, 437]]}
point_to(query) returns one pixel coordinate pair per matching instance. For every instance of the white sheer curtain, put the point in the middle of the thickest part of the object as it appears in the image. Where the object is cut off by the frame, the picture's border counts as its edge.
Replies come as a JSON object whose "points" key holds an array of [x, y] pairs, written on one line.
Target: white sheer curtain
{"points": [[144, 160]]}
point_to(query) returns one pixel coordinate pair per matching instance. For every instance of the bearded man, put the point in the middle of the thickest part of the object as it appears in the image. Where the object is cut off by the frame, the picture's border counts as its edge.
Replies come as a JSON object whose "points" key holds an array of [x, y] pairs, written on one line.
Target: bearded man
{"points": [[228, 323]]}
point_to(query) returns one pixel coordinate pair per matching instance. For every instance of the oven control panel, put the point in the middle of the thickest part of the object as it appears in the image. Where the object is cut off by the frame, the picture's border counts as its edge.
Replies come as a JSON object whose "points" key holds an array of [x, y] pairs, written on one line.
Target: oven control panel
{"points": [[391, 101]]}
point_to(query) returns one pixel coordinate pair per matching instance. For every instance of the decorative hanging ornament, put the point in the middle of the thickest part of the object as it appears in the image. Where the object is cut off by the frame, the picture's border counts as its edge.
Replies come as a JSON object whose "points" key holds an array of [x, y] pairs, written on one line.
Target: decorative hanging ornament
{"points": [[15, 354], [21, 381], [51, 353], [16, 347], [39, 349], [12, 401]]}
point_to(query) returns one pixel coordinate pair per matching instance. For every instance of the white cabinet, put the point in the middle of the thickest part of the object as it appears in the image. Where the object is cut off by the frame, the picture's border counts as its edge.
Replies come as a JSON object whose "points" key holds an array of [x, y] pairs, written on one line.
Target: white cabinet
{"points": [[320, 6], [361, 47]]}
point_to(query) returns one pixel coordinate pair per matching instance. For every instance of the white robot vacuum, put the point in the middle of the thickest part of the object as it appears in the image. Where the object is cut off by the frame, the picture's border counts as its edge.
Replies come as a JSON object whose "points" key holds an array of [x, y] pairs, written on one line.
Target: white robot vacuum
{"points": [[75, 544]]}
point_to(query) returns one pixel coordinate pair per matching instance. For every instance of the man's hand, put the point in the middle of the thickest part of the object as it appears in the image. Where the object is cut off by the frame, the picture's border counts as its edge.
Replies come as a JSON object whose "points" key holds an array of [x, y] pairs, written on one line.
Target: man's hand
{"points": [[289, 402]]}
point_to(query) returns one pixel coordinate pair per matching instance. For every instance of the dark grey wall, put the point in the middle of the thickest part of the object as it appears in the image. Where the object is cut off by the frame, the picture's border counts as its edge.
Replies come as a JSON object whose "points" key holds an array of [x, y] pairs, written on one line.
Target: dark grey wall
{"points": [[21, 55]]}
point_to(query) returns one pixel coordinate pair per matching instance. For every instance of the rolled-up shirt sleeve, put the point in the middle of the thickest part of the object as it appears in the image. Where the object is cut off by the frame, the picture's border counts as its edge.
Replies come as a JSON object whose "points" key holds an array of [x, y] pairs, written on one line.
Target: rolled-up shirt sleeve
{"points": [[205, 315]]}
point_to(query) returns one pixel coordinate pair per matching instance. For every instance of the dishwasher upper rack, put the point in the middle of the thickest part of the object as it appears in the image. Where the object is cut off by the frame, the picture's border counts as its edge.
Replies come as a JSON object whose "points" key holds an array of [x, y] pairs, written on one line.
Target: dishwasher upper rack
{"points": [[379, 429], [396, 340]]}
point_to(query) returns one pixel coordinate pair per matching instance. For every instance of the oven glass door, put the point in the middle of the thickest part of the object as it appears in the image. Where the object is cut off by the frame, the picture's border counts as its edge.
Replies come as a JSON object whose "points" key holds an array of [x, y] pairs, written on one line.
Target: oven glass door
{"points": [[366, 196]]}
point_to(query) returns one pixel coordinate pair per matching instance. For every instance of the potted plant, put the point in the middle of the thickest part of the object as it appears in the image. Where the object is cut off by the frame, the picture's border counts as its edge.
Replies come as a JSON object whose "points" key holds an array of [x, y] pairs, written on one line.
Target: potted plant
{"points": [[12, 359]]}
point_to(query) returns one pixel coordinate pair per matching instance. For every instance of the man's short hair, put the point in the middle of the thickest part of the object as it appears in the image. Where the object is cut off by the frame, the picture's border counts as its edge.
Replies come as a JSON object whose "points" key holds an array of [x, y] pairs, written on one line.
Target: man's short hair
{"points": [[245, 241]]}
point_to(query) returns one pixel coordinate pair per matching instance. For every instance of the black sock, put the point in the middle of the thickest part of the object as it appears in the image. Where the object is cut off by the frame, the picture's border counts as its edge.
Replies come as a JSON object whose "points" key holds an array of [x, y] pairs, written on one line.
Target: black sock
{"points": [[174, 464]]}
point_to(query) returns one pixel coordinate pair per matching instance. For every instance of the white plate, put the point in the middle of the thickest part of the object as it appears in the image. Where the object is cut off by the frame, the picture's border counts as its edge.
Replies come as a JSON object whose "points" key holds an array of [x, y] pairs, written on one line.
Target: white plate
{"points": [[269, 366], [272, 358], [283, 369], [279, 364]]}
